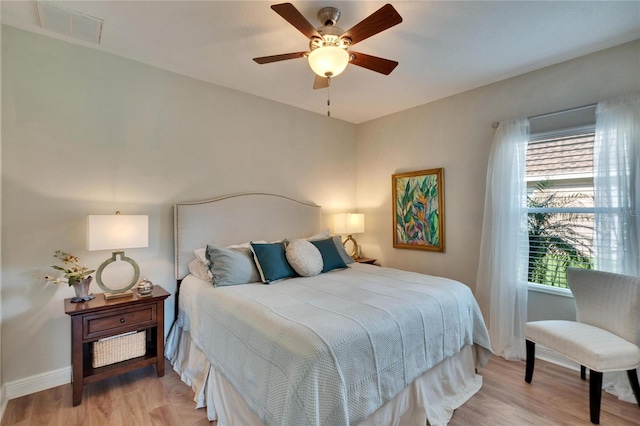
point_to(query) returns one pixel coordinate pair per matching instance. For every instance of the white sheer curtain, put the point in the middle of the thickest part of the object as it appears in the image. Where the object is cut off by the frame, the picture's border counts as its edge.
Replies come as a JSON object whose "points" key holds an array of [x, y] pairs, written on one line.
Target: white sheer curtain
{"points": [[616, 165], [501, 287]]}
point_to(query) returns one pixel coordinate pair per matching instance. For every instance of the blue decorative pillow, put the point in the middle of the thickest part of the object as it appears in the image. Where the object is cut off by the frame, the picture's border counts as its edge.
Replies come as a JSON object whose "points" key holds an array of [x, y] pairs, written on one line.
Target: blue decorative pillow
{"points": [[231, 266], [330, 257], [271, 261]]}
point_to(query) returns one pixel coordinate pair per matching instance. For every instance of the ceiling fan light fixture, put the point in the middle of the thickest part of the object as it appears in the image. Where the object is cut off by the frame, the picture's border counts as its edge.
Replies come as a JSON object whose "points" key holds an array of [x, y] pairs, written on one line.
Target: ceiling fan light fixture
{"points": [[328, 61]]}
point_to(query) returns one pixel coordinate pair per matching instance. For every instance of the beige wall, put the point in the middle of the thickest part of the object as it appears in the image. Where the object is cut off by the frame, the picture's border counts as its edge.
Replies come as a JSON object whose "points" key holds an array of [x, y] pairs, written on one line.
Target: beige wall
{"points": [[455, 133], [86, 132]]}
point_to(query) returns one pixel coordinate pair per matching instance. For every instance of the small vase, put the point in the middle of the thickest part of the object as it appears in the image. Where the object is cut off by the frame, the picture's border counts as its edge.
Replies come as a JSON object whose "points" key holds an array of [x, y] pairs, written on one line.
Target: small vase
{"points": [[82, 290]]}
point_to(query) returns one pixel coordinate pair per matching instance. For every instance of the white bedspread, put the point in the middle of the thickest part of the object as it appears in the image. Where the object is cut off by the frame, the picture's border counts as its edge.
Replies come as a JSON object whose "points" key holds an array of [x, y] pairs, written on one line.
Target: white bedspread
{"points": [[331, 349]]}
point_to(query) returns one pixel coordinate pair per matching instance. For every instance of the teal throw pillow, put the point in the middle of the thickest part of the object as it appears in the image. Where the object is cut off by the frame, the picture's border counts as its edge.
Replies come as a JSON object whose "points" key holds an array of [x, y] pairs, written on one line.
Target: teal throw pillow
{"points": [[271, 261], [330, 257]]}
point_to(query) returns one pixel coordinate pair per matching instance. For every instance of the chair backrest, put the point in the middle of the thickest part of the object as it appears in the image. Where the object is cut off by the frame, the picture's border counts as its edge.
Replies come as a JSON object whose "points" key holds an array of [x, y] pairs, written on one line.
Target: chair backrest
{"points": [[608, 301]]}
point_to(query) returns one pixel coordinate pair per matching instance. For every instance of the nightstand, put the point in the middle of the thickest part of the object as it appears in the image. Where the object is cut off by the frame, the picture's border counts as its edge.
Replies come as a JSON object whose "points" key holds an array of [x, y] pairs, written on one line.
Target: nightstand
{"points": [[368, 260], [100, 318]]}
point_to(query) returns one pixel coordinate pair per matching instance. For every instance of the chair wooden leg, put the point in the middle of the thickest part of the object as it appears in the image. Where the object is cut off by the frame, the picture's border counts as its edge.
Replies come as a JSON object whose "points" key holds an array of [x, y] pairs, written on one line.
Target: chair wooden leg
{"points": [[531, 360], [633, 380], [583, 372], [595, 395]]}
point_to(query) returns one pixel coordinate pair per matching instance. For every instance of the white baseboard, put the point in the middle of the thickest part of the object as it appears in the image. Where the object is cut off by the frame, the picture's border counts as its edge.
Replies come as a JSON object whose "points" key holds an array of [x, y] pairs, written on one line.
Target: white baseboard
{"points": [[37, 383], [552, 357]]}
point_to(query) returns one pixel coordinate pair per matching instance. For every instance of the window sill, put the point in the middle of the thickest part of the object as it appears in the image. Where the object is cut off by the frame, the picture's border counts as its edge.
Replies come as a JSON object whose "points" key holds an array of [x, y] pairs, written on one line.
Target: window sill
{"points": [[557, 291]]}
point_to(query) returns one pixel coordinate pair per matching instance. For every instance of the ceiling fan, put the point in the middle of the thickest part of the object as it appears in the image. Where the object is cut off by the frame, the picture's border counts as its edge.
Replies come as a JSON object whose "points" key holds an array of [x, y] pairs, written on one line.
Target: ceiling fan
{"points": [[328, 44]]}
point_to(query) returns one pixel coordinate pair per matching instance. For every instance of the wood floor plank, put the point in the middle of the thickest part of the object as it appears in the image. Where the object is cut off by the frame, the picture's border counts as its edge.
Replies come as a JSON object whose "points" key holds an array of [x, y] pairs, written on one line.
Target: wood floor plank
{"points": [[103, 405], [68, 414], [556, 397], [166, 415], [47, 406], [131, 409], [154, 394], [18, 410]]}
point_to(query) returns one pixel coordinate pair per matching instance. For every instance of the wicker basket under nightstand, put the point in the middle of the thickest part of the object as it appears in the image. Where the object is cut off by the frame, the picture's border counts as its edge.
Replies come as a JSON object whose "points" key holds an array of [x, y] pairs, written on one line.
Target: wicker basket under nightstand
{"points": [[118, 348]]}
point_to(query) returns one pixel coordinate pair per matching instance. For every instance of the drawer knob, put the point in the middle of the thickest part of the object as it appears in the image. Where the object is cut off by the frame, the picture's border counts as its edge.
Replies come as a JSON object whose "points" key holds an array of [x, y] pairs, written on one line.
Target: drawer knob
{"points": [[122, 320]]}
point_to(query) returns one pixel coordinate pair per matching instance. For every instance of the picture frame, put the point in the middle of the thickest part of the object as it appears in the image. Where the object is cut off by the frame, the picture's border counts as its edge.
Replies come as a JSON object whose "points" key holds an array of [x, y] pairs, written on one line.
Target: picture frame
{"points": [[418, 210]]}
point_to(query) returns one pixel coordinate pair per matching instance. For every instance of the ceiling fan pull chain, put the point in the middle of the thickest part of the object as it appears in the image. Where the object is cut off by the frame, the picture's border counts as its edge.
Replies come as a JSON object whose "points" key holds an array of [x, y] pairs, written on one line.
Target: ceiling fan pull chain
{"points": [[328, 96]]}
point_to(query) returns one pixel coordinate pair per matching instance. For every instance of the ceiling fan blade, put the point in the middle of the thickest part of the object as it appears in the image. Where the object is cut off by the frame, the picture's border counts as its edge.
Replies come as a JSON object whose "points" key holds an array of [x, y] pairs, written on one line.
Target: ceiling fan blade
{"points": [[295, 18], [373, 63], [380, 20], [276, 58], [320, 82]]}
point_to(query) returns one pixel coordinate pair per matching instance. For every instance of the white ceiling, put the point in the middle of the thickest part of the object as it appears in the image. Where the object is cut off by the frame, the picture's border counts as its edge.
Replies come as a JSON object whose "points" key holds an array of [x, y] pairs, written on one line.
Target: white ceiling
{"points": [[444, 47]]}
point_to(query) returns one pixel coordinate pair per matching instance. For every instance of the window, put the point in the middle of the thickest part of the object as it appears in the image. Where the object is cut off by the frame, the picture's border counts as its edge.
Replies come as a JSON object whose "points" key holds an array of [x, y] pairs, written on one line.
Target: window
{"points": [[560, 204]]}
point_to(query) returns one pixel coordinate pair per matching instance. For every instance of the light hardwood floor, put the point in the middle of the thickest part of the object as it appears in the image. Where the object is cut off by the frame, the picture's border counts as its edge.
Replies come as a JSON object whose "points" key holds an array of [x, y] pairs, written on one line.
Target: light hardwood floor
{"points": [[557, 396], [139, 397]]}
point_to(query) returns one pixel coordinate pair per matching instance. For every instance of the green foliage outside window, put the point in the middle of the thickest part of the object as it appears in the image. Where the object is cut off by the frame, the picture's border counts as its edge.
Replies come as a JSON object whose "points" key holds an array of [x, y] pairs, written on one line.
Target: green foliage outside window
{"points": [[557, 241]]}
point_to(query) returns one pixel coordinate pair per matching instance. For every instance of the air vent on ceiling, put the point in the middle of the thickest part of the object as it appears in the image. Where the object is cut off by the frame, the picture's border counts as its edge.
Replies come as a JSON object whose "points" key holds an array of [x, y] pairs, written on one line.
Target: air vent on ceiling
{"points": [[69, 22]]}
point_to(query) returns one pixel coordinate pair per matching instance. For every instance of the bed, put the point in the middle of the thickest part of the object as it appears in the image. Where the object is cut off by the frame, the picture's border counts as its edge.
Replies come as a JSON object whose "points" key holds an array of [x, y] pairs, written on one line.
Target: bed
{"points": [[361, 345]]}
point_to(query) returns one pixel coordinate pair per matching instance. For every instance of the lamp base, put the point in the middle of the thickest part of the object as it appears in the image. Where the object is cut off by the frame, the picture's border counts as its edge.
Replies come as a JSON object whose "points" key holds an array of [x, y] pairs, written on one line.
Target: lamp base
{"points": [[354, 253], [125, 291], [108, 296]]}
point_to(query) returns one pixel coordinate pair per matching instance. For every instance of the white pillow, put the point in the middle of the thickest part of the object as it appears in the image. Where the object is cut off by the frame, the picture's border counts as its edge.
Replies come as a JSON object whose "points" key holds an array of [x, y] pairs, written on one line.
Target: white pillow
{"points": [[201, 255], [197, 268], [245, 245], [321, 236], [304, 258]]}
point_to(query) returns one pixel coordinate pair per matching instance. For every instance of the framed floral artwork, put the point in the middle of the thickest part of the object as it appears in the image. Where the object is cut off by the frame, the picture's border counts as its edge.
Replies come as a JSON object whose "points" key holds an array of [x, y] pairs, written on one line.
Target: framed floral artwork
{"points": [[418, 210]]}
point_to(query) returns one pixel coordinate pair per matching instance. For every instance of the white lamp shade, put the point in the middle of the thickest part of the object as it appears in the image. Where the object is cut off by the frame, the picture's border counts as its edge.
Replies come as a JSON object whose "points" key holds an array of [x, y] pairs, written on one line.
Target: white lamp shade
{"points": [[328, 61], [117, 231], [348, 223]]}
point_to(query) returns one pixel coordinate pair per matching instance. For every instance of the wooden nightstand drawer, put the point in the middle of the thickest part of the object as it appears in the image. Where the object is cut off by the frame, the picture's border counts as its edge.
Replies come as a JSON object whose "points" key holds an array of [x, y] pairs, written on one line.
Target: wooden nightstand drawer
{"points": [[118, 321]]}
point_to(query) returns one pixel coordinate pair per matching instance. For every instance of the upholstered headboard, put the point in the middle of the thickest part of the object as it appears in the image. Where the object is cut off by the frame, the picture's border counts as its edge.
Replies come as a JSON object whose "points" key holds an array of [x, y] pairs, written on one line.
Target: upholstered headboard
{"points": [[236, 219]]}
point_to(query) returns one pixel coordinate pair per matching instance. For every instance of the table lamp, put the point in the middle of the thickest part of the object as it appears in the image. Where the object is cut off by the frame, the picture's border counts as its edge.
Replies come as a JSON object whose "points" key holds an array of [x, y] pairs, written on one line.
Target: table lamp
{"points": [[117, 232], [349, 223]]}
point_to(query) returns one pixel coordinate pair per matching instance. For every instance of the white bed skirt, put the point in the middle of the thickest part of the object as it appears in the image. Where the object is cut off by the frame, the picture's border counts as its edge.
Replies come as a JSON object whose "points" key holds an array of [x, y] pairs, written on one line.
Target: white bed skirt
{"points": [[432, 397]]}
